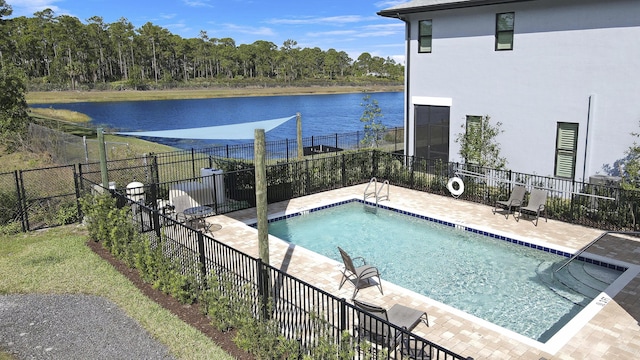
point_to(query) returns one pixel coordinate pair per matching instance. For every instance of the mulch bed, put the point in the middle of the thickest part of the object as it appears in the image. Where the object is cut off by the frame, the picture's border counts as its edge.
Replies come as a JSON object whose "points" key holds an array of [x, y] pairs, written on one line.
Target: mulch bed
{"points": [[190, 314]]}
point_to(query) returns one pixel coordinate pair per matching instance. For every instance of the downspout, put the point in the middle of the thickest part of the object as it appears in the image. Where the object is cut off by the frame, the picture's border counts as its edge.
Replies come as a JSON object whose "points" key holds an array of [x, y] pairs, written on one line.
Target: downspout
{"points": [[407, 79], [590, 110]]}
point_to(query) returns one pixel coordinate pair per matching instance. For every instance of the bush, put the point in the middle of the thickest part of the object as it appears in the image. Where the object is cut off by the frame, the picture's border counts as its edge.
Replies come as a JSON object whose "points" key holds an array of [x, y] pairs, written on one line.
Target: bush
{"points": [[9, 206], [67, 213], [10, 228]]}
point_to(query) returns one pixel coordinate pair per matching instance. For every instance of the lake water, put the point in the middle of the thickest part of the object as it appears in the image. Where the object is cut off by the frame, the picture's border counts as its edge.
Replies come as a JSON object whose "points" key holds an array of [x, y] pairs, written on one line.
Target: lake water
{"points": [[321, 114]]}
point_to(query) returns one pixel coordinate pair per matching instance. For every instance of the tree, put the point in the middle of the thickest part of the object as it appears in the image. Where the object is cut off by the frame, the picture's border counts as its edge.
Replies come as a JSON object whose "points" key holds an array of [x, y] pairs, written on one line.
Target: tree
{"points": [[478, 145], [5, 10], [61, 52], [14, 118], [373, 127], [631, 174]]}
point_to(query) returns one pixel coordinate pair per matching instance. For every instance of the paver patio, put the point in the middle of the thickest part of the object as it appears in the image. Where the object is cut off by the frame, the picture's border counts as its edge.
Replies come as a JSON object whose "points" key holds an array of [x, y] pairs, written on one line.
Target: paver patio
{"points": [[612, 333]]}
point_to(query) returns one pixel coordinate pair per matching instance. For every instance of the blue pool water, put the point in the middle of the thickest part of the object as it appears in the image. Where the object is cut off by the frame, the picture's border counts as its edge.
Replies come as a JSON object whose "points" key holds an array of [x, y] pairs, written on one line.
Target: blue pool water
{"points": [[507, 284]]}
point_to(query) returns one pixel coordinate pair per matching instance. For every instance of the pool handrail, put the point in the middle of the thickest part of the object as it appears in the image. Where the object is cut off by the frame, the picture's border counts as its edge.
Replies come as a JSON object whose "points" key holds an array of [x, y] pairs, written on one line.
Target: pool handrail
{"points": [[584, 248], [376, 191]]}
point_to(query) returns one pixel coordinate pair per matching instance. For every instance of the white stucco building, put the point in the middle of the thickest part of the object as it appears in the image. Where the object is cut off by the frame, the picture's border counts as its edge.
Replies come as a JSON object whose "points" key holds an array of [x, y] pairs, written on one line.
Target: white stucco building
{"points": [[562, 76]]}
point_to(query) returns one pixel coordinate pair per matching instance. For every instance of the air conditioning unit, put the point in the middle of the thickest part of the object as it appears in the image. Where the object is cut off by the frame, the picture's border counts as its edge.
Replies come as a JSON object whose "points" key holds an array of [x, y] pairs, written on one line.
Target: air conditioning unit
{"points": [[605, 180]]}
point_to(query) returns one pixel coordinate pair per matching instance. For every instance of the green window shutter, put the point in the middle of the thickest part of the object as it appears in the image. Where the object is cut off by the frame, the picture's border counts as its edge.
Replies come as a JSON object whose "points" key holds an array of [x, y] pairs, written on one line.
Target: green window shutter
{"points": [[566, 146]]}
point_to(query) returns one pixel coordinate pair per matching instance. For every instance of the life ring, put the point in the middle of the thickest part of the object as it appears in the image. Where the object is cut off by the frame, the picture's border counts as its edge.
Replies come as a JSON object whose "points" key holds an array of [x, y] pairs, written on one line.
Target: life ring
{"points": [[455, 180]]}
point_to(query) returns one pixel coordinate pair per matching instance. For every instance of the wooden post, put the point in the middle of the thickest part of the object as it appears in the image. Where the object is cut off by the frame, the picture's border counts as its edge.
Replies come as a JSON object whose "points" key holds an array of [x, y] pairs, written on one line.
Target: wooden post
{"points": [[261, 195], [299, 136], [103, 159]]}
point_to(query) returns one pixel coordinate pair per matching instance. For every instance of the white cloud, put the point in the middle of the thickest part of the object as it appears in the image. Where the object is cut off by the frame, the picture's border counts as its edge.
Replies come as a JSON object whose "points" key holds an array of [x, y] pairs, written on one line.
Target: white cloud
{"points": [[29, 7], [197, 3], [390, 3], [167, 16], [262, 31], [333, 33], [329, 20]]}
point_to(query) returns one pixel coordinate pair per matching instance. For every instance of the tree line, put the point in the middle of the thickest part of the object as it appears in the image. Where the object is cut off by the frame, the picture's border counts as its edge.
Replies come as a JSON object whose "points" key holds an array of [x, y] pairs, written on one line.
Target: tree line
{"points": [[62, 51]]}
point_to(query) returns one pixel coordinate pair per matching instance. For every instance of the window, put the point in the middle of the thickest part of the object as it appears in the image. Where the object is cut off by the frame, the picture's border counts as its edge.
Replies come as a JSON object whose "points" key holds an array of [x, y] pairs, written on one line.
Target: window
{"points": [[566, 146], [474, 124], [424, 35], [504, 31]]}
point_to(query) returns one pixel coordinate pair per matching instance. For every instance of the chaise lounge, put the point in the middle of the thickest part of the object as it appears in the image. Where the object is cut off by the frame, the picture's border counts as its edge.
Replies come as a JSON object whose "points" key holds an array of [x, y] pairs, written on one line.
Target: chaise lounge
{"points": [[371, 328], [514, 201], [536, 205]]}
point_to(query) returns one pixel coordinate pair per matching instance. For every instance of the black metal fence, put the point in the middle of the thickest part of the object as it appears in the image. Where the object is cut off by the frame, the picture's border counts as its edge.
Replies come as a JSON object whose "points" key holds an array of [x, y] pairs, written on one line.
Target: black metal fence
{"points": [[39, 198], [233, 186], [44, 197], [302, 312]]}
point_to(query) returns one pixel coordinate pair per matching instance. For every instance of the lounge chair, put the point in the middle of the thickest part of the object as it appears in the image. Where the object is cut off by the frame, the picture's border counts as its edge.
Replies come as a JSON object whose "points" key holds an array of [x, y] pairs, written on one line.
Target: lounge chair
{"points": [[358, 274], [514, 201], [371, 328], [536, 205]]}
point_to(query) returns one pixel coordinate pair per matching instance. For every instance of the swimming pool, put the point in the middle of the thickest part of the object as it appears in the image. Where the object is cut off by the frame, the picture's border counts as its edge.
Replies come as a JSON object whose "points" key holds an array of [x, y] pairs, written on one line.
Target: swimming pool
{"points": [[508, 283]]}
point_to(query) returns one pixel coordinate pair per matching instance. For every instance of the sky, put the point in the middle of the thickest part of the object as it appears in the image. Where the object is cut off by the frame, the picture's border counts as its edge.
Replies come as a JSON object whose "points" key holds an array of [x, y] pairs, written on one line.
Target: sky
{"points": [[351, 26]]}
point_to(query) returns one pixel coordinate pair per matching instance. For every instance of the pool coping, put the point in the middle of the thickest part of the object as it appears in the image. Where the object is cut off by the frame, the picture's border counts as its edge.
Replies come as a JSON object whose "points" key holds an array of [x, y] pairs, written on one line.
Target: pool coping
{"points": [[560, 338]]}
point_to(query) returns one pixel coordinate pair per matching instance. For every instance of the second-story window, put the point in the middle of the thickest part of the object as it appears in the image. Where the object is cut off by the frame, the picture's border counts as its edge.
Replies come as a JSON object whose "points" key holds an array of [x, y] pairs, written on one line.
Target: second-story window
{"points": [[424, 40], [504, 31]]}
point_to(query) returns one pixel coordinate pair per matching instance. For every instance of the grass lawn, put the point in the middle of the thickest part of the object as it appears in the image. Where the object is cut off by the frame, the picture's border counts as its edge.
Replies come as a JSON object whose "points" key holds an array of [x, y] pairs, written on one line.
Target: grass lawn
{"points": [[57, 261], [52, 97]]}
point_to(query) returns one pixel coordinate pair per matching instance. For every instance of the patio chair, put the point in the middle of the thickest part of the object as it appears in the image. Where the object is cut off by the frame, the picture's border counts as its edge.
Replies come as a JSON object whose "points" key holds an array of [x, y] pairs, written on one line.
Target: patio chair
{"points": [[514, 201], [180, 204], [358, 274], [371, 328], [536, 205]]}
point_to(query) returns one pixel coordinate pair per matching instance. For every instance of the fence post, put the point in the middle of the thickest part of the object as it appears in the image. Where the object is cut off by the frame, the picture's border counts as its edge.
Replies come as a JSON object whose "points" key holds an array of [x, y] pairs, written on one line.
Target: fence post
{"points": [[343, 314], [344, 171], [22, 198], [76, 180], [202, 257], [193, 162], [80, 177], [20, 209], [286, 142]]}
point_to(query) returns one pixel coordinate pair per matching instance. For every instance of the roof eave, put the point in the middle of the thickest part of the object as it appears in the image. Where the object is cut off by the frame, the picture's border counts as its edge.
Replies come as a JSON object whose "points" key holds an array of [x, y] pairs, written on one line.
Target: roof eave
{"points": [[395, 13]]}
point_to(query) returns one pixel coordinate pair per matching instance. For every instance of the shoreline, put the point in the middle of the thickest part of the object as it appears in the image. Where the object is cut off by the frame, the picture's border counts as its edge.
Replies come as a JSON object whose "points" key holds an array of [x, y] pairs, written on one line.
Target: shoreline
{"points": [[59, 97]]}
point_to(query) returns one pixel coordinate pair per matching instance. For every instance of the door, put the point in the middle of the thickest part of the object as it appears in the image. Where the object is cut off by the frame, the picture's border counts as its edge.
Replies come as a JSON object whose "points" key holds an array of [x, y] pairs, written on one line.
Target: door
{"points": [[431, 132]]}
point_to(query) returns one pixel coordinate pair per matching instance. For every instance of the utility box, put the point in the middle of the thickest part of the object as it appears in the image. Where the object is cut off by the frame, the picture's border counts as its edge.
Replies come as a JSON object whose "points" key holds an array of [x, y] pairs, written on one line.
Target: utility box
{"points": [[214, 179]]}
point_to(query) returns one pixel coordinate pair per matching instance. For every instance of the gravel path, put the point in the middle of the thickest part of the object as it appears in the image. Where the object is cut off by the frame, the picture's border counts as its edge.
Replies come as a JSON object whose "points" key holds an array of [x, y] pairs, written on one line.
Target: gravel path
{"points": [[72, 327]]}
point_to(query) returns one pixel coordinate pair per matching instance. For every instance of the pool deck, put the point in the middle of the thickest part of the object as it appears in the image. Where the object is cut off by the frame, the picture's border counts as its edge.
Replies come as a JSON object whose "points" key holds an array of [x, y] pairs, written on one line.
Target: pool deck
{"points": [[612, 333]]}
